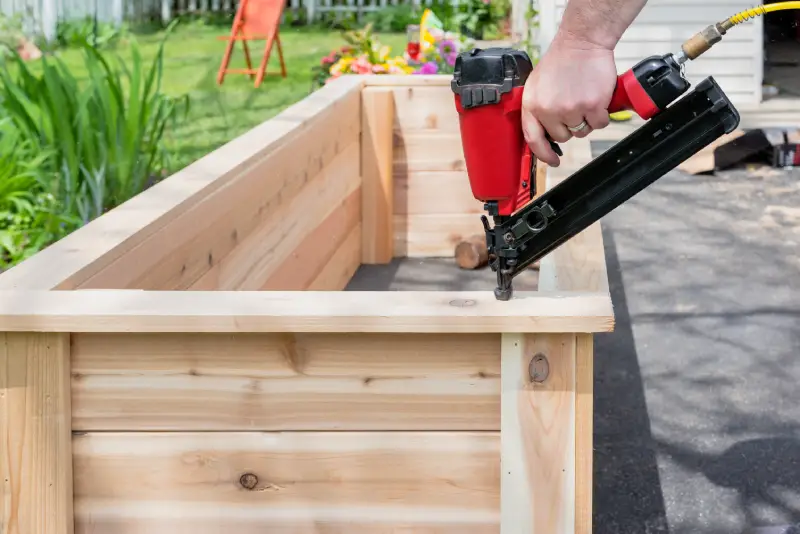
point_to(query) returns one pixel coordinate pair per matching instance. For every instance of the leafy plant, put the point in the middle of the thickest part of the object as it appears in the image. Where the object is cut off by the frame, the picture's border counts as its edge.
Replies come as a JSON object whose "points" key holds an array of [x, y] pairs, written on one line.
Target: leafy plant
{"points": [[477, 17], [27, 220], [105, 136]]}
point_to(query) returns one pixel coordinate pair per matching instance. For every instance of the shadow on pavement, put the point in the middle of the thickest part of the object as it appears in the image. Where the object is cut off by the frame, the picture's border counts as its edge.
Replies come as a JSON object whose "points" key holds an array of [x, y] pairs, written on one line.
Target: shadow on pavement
{"points": [[627, 490]]}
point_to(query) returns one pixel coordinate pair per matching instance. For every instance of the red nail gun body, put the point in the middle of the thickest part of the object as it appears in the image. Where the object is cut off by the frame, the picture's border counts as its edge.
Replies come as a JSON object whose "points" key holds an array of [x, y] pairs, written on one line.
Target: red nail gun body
{"points": [[488, 86]]}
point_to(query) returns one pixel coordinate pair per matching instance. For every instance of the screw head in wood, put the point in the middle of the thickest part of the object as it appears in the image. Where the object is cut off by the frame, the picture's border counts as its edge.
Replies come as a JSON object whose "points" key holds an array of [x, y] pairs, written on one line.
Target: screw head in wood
{"points": [[539, 368]]}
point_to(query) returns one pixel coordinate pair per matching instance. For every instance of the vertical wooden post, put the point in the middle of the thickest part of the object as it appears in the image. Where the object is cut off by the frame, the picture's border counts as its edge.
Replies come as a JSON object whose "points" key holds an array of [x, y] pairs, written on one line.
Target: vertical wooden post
{"points": [[35, 434], [377, 199], [537, 434], [584, 432]]}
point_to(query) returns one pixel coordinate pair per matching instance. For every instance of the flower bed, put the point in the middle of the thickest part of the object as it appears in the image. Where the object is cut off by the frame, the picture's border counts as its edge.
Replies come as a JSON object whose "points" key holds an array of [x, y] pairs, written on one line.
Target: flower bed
{"points": [[434, 52]]}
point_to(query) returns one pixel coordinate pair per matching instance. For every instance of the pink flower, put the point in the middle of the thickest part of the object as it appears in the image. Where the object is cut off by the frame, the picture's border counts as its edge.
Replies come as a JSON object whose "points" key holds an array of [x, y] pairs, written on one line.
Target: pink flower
{"points": [[428, 68], [361, 66]]}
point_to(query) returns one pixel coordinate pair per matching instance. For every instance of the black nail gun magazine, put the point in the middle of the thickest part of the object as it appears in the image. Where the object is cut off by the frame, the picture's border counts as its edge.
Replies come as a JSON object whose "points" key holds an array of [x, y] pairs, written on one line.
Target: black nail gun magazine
{"points": [[488, 87]]}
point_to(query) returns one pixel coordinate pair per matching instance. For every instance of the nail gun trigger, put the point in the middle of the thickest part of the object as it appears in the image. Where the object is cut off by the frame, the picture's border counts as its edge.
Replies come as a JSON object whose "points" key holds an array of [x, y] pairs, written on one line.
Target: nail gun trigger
{"points": [[554, 146]]}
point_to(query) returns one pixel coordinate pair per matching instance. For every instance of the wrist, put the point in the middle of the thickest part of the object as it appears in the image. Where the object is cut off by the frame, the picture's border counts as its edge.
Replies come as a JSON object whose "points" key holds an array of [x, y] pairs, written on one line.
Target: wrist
{"points": [[584, 40]]}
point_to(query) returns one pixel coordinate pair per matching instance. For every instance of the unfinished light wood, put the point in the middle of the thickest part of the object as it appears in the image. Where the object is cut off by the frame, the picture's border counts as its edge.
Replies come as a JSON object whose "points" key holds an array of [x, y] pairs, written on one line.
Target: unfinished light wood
{"points": [[272, 382], [327, 247], [35, 434], [428, 159], [584, 432], [377, 120], [538, 435], [338, 482], [472, 253], [244, 357], [268, 247], [307, 311]]}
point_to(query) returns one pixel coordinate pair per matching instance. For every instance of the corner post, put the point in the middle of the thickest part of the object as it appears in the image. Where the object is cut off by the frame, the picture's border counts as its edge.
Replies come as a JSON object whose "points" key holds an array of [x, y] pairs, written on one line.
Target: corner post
{"points": [[377, 199], [35, 434], [537, 434]]}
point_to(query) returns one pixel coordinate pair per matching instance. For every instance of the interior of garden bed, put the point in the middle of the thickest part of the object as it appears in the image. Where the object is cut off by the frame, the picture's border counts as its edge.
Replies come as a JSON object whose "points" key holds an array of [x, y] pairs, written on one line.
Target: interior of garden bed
{"points": [[360, 187]]}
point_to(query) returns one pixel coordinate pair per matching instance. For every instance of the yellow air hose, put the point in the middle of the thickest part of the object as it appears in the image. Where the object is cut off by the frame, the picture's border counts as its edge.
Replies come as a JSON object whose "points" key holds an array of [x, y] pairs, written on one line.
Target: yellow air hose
{"points": [[747, 14], [705, 39]]}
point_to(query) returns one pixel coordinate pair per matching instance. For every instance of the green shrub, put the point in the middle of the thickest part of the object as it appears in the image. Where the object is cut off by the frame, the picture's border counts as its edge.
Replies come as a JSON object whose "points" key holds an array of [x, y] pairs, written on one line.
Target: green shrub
{"points": [[104, 136], [28, 221]]}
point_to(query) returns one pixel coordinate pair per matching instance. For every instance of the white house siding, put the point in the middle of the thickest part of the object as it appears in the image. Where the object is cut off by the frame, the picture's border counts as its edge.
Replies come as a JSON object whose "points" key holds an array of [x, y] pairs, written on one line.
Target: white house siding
{"points": [[661, 27]]}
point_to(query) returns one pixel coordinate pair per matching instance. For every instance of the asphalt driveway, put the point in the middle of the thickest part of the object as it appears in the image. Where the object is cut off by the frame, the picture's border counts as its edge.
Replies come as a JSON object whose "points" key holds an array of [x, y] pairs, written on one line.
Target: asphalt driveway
{"points": [[697, 422]]}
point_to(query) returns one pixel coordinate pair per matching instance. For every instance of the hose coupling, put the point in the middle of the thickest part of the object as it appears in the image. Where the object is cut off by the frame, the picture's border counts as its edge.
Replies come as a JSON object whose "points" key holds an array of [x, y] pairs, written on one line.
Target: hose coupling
{"points": [[703, 40]]}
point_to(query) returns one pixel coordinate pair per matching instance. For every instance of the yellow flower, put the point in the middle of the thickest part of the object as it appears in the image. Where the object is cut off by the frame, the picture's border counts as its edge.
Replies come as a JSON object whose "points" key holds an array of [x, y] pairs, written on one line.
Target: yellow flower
{"points": [[383, 54], [341, 66]]}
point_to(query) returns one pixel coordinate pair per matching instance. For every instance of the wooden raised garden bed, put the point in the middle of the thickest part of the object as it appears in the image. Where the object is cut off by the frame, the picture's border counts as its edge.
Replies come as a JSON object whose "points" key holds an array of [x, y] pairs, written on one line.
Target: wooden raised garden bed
{"points": [[205, 358]]}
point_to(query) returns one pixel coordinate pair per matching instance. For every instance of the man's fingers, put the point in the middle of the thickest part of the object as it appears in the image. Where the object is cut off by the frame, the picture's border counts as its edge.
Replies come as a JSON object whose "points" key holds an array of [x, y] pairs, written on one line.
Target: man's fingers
{"points": [[557, 129], [534, 134], [572, 118], [597, 118]]}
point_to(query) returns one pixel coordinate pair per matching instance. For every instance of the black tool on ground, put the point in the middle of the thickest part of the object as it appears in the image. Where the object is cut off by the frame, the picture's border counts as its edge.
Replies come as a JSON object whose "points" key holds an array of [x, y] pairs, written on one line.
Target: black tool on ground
{"points": [[660, 145]]}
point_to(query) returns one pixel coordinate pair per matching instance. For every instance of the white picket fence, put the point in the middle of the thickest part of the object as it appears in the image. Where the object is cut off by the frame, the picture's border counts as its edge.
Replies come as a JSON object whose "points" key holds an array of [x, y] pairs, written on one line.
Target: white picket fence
{"points": [[45, 14]]}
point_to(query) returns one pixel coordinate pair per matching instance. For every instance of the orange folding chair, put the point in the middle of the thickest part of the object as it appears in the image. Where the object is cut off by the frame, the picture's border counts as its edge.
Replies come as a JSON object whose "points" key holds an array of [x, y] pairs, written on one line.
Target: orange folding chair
{"points": [[255, 20]]}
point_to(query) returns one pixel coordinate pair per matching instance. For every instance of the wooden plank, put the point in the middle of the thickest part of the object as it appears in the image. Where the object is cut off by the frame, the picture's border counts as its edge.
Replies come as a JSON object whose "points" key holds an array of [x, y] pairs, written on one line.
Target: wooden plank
{"points": [[401, 80], [260, 253], [312, 255], [36, 434], [584, 432], [420, 152], [342, 265], [155, 224], [281, 196], [425, 109], [537, 433], [251, 482], [286, 382], [420, 193], [433, 235], [377, 118], [303, 311]]}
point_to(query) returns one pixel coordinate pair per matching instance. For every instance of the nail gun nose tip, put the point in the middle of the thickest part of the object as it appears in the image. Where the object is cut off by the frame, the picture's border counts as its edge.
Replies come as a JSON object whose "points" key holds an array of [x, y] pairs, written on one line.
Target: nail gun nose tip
{"points": [[503, 294]]}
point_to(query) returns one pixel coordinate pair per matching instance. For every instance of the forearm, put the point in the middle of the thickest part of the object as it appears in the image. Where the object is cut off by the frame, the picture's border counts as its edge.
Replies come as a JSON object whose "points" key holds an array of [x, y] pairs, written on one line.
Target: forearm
{"points": [[598, 22]]}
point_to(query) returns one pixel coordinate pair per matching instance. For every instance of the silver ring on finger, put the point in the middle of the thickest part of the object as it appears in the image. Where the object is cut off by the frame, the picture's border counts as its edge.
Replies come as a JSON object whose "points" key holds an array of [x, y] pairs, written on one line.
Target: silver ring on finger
{"points": [[579, 127]]}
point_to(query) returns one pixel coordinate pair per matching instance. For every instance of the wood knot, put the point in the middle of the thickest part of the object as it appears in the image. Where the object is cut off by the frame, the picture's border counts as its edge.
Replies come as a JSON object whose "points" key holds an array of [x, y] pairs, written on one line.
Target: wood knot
{"points": [[462, 303], [249, 481]]}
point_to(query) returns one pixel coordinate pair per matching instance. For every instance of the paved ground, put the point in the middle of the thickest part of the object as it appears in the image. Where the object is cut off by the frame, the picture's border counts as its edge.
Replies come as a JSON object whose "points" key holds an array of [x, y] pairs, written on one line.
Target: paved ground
{"points": [[698, 404], [697, 425]]}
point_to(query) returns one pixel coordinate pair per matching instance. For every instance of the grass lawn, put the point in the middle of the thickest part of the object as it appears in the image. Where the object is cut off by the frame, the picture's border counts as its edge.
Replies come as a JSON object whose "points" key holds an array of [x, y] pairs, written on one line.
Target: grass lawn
{"points": [[220, 113]]}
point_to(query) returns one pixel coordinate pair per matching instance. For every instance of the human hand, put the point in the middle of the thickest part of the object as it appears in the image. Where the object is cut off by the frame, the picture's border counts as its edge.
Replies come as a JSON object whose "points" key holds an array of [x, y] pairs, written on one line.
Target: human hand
{"points": [[574, 81]]}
